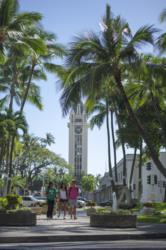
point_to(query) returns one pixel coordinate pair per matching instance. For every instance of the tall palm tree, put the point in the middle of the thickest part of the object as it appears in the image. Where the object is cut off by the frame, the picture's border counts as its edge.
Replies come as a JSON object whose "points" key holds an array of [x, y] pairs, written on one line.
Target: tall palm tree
{"points": [[13, 25], [27, 52], [10, 123], [101, 110], [113, 53], [148, 87]]}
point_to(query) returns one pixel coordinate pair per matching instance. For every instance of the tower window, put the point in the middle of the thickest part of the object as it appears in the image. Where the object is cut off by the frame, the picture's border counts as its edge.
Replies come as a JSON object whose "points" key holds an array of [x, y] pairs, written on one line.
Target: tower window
{"points": [[78, 120]]}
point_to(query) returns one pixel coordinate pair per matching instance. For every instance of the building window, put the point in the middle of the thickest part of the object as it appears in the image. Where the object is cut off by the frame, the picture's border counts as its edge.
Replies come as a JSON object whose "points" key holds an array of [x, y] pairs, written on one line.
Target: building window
{"points": [[149, 179], [134, 186], [148, 166], [78, 120], [155, 179]]}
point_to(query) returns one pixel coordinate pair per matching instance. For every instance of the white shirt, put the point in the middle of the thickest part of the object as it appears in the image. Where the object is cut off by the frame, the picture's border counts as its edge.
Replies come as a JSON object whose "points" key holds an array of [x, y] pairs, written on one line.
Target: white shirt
{"points": [[62, 194]]}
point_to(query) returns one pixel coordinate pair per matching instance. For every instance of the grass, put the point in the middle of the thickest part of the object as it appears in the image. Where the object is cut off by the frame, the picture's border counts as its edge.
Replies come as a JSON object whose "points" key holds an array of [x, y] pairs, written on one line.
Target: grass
{"points": [[159, 215], [160, 218]]}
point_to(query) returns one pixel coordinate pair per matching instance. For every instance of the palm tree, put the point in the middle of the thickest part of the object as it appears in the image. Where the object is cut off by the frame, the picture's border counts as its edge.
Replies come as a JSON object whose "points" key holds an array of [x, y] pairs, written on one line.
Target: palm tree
{"points": [[13, 25], [11, 124], [148, 88], [96, 57], [101, 110], [28, 51]]}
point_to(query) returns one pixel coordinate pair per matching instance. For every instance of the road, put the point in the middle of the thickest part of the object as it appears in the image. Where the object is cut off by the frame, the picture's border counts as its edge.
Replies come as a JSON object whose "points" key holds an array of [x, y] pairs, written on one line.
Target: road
{"points": [[121, 245]]}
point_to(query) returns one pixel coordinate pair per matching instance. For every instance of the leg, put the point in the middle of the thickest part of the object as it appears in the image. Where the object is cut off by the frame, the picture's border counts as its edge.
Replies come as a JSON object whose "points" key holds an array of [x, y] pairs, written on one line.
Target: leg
{"points": [[74, 212], [48, 209], [59, 208], [64, 209], [51, 209], [74, 209]]}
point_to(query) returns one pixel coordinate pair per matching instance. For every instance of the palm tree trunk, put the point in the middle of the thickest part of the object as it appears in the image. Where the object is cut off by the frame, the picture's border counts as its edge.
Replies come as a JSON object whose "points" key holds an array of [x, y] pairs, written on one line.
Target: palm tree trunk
{"points": [[2, 156], [140, 173], [7, 166], [132, 169], [114, 146], [158, 117], [109, 144], [123, 150], [27, 87], [141, 129], [12, 137], [10, 164]]}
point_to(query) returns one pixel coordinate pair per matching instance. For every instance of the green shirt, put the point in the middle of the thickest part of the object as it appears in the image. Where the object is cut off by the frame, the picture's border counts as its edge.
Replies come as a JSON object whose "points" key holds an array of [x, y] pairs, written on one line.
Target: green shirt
{"points": [[51, 194]]}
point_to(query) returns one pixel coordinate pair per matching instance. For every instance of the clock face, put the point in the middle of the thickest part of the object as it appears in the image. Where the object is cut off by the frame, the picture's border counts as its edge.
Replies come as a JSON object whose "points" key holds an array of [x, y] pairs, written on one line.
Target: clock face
{"points": [[78, 129]]}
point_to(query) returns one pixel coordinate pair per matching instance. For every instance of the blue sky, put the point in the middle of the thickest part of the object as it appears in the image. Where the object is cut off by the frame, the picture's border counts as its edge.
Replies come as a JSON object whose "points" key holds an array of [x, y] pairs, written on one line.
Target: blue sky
{"points": [[67, 18]]}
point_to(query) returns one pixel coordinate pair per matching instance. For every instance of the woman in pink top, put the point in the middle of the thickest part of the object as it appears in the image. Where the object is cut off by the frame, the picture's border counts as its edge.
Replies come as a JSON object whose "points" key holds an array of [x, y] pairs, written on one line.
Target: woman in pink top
{"points": [[73, 194]]}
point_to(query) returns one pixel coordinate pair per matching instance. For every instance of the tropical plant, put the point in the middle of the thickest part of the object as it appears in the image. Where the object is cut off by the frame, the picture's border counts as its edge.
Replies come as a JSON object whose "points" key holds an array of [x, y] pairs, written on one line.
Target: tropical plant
{"points": [[112, 53], [88, 183], [33, 158], [26, 53]]}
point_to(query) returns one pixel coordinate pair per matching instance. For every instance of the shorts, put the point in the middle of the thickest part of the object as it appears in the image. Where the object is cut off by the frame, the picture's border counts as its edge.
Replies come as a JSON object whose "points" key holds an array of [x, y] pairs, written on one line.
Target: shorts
{"points": [[63, 200], [73, 203]]}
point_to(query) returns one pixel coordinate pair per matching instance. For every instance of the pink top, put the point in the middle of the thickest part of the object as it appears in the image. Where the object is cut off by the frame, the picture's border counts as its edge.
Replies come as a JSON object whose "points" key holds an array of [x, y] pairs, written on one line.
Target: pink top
{"points": [[73, 192]]}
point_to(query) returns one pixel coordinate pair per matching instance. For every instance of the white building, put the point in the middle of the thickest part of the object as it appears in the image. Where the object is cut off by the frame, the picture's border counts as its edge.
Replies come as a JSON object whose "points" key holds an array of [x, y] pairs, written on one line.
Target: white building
{"points": [[78, 141], [153, 182]]}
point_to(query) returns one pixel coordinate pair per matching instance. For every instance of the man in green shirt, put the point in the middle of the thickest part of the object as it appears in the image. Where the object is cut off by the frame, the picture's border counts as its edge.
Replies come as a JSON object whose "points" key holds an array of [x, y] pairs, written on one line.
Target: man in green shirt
{"points": [[51, 196]]}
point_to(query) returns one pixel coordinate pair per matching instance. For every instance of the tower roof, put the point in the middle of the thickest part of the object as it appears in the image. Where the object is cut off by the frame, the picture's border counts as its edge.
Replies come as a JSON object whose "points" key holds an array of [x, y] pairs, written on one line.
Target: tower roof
{"points": [[79, 109]]}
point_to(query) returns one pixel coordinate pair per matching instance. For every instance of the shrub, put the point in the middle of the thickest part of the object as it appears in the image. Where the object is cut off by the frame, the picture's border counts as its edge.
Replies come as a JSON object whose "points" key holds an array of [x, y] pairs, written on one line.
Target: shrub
{"points": [[126, 206], [107, 210], [103, 210], [19, 210], [11, 201], [3, 202], [91, 203], [148, 204]]}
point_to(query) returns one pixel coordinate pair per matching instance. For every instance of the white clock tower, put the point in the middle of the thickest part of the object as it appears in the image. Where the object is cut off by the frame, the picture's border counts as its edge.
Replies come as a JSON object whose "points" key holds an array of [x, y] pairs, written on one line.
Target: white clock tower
{"points": [[78, 141]]}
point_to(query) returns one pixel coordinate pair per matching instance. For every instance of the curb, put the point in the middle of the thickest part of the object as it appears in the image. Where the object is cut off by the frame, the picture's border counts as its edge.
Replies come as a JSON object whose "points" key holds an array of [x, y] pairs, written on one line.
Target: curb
{"points": [[80, 237]]}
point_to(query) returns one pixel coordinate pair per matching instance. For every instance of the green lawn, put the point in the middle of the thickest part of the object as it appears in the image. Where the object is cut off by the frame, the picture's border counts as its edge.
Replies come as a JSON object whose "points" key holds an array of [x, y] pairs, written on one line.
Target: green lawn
{"points": [[152, 218], [159, 215]]}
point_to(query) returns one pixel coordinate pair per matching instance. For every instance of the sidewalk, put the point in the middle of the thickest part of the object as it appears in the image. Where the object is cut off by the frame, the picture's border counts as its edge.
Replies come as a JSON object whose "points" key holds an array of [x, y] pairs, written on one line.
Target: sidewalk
{"points": [[57, 230]]}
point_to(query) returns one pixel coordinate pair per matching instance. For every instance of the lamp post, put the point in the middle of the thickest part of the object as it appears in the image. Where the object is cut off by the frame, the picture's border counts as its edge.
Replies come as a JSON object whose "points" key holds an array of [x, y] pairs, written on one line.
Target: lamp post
{"points": [[43, 186], [6, 179]]}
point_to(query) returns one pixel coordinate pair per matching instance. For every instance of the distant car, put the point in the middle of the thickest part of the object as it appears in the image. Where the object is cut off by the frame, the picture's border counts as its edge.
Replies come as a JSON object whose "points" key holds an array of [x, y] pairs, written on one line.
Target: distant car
{"points": [[82, 198], [80, 203], [31, 201], [41, 198]]}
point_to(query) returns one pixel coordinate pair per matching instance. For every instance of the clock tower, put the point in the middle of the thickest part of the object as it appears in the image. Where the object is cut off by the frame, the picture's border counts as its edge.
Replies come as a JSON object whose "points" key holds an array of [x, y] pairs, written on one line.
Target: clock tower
{"points": [[78, 143]]}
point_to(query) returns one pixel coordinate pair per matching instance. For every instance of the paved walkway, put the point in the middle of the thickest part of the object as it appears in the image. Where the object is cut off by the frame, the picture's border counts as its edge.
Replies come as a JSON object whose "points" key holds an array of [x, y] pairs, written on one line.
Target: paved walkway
{"points": [[77, 230]]}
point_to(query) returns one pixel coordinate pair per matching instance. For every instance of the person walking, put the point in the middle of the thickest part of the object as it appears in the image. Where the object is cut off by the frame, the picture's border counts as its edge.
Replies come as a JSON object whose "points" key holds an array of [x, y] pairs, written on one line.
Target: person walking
{"points": [[73, 193], [63, 199], [51, 197]]}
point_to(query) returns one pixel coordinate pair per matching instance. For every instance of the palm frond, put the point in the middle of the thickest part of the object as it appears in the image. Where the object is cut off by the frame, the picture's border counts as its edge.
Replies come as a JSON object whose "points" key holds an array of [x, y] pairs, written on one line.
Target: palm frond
{"points": [[8, 9], [26, 18], [161, 43], [143, 36], [162, 17], [34, 96], [97, 120]]}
